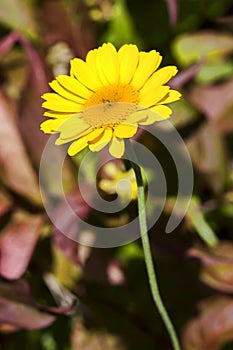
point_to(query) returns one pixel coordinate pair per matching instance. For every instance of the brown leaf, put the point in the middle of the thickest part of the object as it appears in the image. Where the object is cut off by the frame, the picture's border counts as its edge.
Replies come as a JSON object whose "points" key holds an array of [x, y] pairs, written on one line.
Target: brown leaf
{"points": [[212, 328], [17, 243]]}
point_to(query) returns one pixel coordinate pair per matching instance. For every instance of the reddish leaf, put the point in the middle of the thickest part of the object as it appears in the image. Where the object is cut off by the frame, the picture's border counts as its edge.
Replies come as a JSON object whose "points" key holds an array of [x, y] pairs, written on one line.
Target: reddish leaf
{"points": [[69, 223], [217, 265], [15, 166], [18, 309], [17, 244], [212, 328]]}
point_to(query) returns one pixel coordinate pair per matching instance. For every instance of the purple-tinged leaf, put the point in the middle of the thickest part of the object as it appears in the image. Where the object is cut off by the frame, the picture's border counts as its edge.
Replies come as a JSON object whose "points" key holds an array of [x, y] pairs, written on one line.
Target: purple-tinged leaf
{"points": [[69, 223], [217, 265], [212, 328], [18, 309], [17, 243], [15, 166]]}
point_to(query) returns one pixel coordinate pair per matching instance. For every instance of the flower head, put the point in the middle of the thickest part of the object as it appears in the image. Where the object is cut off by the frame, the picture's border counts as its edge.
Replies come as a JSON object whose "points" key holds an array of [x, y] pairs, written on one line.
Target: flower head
{"points": [[107, 97], [118, 181]]}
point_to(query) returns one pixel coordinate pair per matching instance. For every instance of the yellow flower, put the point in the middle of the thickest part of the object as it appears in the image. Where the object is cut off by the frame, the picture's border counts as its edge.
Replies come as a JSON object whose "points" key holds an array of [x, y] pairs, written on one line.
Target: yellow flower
{"points": [[105, 98], [119, 181]]}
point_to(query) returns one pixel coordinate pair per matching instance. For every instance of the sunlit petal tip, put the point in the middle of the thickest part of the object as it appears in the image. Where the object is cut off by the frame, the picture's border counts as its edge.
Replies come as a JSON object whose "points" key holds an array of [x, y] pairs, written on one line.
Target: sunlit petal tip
{"points": [[50, 126], [125, 130]]}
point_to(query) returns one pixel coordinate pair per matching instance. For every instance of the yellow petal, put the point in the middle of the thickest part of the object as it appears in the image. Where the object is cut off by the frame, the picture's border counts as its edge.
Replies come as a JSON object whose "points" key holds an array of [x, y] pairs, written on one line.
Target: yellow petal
{"points": [[54, 114], [150, 97], [73, 85], [164, 111], [148, 63], [91, 58], [117, 147], [125, 130], [159, 78], [77, 146], [100, 142], [59, 103], [95, 134], [85, 74], [62, 106], [108, 64], [156, 114], [50, 126], [65, 93], [173, 96], [128, 58]]}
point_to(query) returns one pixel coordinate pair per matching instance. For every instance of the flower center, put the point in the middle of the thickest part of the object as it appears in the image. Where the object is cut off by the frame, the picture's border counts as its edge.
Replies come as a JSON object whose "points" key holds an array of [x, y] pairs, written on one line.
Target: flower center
{"points": [[110, 105]]}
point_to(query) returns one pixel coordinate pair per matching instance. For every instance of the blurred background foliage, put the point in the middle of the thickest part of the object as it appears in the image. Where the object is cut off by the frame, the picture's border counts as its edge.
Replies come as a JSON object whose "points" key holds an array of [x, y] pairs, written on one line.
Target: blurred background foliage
{"points": [[56, 294]]}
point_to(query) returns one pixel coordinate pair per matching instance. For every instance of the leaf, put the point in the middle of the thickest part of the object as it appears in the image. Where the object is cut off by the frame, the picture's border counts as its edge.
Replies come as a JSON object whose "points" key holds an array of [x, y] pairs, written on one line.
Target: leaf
{"points": [[215, 70], [17, 243], [18, 14], [208, 153], [195, 216], [190, 48], [212, 328], [216, 102], [217, 265], [15, 166], [18, 309]]}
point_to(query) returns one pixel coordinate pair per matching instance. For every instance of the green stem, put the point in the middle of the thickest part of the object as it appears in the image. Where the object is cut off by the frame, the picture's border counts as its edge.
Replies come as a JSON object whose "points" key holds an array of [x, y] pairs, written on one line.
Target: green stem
{"points": [[147, 250]]}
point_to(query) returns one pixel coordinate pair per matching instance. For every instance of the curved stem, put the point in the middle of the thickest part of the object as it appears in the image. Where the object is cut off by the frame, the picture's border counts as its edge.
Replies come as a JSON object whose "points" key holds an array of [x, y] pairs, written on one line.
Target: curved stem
{"points": [[147, 250]]}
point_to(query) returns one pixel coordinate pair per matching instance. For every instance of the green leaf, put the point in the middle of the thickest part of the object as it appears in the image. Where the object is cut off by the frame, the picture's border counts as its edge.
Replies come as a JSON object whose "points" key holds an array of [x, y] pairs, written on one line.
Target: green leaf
{"points": [[190, 48], [215, 70], [18, 14]]}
